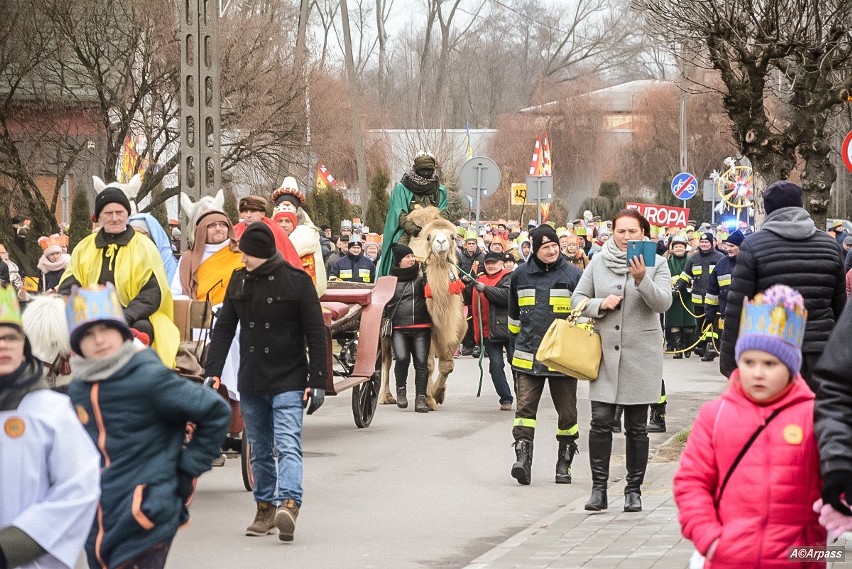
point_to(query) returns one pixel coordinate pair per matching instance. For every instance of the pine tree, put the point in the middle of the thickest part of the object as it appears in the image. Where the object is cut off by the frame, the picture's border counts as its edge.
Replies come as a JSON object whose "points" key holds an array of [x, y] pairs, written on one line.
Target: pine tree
{"points": [[231, 206], [377, 208], [81, 218]]}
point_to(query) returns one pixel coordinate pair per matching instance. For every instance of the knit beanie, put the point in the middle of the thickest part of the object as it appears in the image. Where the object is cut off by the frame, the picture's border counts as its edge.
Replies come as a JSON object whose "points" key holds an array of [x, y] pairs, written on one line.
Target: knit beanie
{"points": [[708, 236], [258, 241], [735, 238], [782, 193], [542, 234], [774, 322], [399, 251], [288, 214], [111, 195], [424, 161]]}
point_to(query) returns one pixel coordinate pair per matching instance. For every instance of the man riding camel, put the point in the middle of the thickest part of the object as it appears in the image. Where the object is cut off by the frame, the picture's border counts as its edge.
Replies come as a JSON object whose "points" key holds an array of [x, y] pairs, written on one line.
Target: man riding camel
{"points": [[419, 187]]}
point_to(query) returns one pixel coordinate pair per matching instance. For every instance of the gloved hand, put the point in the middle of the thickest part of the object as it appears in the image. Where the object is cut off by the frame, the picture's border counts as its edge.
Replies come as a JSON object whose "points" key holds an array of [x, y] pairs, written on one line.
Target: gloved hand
{"points": [[833, 485], [480, 286], [186, 485], [313, 399]]}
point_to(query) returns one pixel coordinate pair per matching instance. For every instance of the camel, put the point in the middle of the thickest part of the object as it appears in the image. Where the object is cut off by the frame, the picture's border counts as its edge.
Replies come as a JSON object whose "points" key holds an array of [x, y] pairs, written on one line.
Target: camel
{"points": [[193, 210], [435, 247]]}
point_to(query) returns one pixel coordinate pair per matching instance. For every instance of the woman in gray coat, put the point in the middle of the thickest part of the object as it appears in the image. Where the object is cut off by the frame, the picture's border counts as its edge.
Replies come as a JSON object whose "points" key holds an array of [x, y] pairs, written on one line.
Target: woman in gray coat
{"points": [[626, 300]]}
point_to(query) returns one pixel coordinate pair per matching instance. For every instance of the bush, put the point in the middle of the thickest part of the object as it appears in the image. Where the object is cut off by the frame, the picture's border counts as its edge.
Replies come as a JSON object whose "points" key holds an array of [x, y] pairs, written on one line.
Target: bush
{"points": [[81, 218]]}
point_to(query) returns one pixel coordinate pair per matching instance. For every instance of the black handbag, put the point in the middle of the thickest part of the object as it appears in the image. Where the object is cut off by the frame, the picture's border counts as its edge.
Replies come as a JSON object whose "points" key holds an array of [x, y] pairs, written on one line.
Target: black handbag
{"points": [[386, 329]]}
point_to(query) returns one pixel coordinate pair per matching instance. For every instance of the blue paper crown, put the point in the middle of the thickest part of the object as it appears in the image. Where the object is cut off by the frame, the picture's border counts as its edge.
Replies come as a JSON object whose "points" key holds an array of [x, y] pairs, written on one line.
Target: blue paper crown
{"points": [[775, 320], [91, 304]]}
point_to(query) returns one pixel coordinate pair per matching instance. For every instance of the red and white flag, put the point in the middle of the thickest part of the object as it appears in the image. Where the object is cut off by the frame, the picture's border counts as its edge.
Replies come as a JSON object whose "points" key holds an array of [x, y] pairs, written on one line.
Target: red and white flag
{"points": [[324, 178], [535, 162]]}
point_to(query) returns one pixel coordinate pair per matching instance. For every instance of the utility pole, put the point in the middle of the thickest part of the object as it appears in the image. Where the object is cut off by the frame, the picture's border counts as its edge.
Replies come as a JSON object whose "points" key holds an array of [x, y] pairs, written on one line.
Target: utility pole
{"points": [[301, 69], [358, 141], [681, 88]]}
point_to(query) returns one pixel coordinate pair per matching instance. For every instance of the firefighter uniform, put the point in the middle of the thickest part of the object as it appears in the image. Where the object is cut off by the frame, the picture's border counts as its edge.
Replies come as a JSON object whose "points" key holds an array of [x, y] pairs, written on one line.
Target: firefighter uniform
{"points": [[538, 295], [697, 272]]}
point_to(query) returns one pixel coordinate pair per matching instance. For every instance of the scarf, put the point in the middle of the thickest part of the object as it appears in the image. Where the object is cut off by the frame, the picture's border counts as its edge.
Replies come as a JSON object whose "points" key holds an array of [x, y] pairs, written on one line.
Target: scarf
{"points": [[192, 259], [614, 258], [408, 273], [16, 385], [421, 186], [46, 266], [98, 369], [481, 307]]}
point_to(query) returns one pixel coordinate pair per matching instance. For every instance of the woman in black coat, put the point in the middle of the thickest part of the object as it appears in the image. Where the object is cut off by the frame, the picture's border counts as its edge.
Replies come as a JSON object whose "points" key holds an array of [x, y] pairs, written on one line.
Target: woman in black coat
{"points": [[412, 327]]}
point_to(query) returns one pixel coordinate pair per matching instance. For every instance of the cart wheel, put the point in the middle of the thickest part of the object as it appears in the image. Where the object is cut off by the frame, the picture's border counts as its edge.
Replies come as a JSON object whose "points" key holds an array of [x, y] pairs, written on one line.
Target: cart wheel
{"points": [[365, 397], [245, 463]]}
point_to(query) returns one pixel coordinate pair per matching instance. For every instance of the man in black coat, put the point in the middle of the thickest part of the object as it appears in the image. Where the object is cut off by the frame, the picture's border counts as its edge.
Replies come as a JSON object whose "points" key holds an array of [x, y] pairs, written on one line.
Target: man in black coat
{"points": [[788, 250], [279, 314]]}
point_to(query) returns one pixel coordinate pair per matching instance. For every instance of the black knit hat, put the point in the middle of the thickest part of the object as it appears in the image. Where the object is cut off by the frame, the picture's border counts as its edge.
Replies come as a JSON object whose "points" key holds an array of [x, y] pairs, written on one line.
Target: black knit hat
{"points": [[708, 236], [399, 251], [782, 193], [492, 256], [108, 196], [735, 238], [258, 241], [539, 234]]}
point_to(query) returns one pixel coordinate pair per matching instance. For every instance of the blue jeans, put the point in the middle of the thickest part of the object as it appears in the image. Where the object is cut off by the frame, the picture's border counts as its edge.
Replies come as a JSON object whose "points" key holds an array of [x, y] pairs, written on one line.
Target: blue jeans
{"points": [[497, 368], [275, 420]]}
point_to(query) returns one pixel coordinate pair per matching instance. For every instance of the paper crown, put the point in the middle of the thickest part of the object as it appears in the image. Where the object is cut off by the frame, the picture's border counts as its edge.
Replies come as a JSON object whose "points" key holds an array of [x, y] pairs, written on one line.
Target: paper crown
{"points": [[779, 312], [10, 310], [54, 240], [471, 235], [93, 304]]}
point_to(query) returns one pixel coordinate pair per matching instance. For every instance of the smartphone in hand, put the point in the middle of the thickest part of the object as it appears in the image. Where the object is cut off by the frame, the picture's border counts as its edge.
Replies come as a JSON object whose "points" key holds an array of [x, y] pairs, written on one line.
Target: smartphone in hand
{"points": [[647, 249]]}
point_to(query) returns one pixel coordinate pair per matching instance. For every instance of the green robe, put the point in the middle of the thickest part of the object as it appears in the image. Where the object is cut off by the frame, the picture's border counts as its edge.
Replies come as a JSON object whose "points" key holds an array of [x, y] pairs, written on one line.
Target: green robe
{"points": [[400, 201], [677, 316]]}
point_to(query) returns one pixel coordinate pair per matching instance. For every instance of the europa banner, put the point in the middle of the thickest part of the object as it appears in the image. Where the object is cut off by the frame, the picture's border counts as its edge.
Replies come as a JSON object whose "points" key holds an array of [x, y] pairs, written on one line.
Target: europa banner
{"points": [[662, 215]]}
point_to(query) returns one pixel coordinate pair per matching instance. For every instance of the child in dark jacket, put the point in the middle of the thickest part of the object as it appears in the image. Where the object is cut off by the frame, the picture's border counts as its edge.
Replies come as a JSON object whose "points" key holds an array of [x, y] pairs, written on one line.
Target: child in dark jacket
{"points": [[155, 431], [767, 506]]}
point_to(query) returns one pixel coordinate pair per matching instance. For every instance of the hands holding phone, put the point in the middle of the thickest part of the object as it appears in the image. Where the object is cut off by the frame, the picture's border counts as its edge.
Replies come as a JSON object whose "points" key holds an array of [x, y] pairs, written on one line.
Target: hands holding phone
{"points": [[637, 268]]}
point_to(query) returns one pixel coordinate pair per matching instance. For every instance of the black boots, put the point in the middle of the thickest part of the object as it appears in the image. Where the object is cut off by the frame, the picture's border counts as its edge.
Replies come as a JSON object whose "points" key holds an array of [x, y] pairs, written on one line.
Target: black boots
{"points": [[710, 352], [401, 397], [616, 424], [420, 405], [637, 462], [685, 339], [600, 449], [522, 469], [657, 421], [567, 450]]}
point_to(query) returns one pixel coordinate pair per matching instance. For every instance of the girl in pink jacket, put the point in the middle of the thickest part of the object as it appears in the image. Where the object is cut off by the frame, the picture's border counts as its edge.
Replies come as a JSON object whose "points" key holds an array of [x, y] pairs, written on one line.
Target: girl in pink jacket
{"points": [[765, 506]]}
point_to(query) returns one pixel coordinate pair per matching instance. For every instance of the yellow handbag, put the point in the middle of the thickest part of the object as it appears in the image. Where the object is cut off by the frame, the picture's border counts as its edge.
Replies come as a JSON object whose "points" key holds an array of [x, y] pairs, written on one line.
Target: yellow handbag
{"points": [[572, 348]]}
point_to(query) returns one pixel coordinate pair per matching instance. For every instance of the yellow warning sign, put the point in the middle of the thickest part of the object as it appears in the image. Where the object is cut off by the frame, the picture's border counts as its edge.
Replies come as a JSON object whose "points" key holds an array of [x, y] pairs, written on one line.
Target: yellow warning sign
{"points": [[519, 194]]}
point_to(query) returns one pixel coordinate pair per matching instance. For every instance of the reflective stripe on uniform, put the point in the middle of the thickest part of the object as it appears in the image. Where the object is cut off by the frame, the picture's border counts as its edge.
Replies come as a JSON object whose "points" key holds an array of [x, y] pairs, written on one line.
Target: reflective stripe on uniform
{"points": [[685, 277], [724, 280], [526, 297], [662, 400], [711, 299], [522, 359], [524, 422], [712, 268], [696, 270], [560, 300], [364, 275], [572, 431], [514, 326], [345, 273], [697, 299]]}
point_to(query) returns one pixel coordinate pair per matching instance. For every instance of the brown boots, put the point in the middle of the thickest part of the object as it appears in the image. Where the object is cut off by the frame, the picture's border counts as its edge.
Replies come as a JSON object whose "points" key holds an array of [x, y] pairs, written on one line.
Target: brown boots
{"points": [[269, 520], [285, 519], [264, 520]]}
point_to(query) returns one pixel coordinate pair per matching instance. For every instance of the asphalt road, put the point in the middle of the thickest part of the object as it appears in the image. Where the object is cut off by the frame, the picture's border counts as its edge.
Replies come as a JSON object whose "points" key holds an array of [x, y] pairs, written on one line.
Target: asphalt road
{"points": [[412, 490]]}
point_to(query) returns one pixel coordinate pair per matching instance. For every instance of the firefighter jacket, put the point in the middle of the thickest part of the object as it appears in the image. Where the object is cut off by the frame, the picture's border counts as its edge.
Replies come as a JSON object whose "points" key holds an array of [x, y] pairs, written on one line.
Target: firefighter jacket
{"points": [[353, 268], [697, 271], [538, 295], [717, 291]]}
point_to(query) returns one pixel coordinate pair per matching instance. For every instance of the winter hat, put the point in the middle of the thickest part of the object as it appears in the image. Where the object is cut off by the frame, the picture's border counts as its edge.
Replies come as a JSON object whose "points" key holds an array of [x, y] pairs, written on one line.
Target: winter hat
{"points": [[258, 241], [774, 322], [492, 256], [288, 214], [400, 251], [289, 191], [424, 160], [92, 305], [253, 203], [708, 236], [847, 240], [782, 193], [735, 238], [111, 195], [680, 239], [542, 234]]}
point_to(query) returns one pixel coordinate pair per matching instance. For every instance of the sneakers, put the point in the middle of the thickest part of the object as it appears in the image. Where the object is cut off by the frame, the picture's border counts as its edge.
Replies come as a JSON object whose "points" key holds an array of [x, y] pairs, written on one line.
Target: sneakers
{"points": [[506, 406], [219, 460], [285, 519], [264, 520]]}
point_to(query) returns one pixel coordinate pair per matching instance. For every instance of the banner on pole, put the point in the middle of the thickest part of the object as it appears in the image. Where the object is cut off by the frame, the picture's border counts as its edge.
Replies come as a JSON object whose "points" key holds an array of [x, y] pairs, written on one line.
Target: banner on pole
{"points": [[662, 215], [519, 194]]}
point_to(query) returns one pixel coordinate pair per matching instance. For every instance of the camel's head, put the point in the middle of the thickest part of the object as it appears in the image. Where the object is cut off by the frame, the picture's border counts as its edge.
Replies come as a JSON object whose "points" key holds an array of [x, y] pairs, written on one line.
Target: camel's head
{"points": [[440, 235]]}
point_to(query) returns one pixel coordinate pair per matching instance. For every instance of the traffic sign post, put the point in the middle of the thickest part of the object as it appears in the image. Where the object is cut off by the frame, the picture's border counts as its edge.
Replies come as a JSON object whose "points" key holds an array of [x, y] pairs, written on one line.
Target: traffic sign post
{"points": [[543, 191], [846, 151], [478, 176], [684, 186]]}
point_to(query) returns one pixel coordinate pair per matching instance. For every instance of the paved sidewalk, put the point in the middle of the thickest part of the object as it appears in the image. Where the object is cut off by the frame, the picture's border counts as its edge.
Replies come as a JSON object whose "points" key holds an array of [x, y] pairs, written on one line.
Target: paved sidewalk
{"points": [[572, 537]]}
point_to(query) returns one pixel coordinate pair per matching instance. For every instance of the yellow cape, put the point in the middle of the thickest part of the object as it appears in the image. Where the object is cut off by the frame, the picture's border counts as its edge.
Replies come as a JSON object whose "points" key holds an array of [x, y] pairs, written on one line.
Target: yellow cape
{"points": [[134, 264]]}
